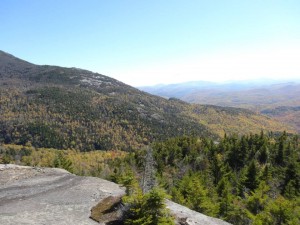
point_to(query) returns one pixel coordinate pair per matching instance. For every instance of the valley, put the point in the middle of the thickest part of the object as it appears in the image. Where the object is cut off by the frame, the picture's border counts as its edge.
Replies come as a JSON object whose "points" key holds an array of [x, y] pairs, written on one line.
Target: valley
{"points": [[277, 99]]}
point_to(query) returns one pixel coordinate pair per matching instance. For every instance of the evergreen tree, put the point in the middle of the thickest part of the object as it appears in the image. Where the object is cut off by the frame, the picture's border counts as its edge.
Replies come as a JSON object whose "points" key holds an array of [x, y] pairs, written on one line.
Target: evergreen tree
{"points": [[279, 157], [257, 200], [263, 154], [148, 209], [292, 179], [278, 212], [216, 168], [237, 152], [226, 198], [61, 161], [251, 181]]}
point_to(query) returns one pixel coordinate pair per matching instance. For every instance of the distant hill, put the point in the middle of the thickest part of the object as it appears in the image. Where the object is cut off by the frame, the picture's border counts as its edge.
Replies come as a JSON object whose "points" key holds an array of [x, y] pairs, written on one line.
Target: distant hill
{"points": [[51, 106], [280, 100], [181, 90]]}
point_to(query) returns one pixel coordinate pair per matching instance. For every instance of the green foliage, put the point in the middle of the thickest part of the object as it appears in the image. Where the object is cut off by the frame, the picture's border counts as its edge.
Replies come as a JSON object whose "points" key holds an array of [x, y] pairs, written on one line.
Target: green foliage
{"points": [[251, 181], [239, 179], [147, 209], [43, 135], [279, 211], [191, 191], [60, 161], [257, 200], [94, 163], [292, 179], [6, 159]]}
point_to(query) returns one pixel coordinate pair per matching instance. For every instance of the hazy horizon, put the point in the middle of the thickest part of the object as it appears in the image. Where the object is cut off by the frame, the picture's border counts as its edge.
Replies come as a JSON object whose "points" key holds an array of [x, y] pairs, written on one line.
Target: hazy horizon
{"points": [[256, 81], [146, 43]]}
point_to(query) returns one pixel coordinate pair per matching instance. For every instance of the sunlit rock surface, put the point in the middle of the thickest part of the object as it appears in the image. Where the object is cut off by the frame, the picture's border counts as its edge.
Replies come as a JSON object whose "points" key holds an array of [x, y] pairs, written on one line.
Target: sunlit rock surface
{"points": [[51, 196], [185, 216]]}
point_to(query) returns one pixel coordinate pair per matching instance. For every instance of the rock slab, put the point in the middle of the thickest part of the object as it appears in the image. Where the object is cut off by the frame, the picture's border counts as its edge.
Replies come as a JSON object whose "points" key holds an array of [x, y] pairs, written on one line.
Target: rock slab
{"points": [[185, 216], [50, 196]]}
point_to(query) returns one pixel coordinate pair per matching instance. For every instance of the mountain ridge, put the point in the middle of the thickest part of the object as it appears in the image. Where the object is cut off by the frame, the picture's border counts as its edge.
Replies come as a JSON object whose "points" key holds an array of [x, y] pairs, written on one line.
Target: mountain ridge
{"points": [[51, 106]]}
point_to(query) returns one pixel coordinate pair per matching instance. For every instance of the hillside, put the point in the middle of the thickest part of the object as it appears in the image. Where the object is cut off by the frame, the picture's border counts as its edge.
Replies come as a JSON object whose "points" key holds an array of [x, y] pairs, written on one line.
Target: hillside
{"points": [[51, 106], [280, 100]]}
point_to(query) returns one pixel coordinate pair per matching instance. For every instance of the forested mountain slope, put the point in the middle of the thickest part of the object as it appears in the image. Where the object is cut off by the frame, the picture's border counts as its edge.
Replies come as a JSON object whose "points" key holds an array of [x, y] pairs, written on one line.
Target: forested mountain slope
{"points": [[51, 106]]}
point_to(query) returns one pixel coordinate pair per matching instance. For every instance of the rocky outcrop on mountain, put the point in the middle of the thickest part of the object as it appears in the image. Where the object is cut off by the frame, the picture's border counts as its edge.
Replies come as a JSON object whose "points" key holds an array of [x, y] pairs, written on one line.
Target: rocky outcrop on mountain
{"points": [[30, 195], [185, 216], [108, 211]]}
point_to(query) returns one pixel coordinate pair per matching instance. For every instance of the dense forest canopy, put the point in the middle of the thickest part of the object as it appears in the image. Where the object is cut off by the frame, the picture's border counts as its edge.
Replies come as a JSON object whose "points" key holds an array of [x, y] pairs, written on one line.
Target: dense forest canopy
{"points": [[253, 179]]}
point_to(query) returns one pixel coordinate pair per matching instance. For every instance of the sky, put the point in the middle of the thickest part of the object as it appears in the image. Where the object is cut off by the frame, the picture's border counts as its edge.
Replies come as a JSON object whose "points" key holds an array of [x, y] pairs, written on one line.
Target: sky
{"points": [[159, 41]]}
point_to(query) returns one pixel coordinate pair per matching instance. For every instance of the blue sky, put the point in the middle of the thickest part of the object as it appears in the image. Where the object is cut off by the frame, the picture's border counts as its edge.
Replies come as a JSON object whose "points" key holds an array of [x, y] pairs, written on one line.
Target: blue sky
{"points": [[157, 41]]}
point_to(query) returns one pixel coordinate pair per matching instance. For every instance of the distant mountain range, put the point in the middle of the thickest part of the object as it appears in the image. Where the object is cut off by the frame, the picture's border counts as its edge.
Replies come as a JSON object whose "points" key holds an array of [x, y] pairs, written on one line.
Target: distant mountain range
{"points": [[278, 99], [57, 107]]}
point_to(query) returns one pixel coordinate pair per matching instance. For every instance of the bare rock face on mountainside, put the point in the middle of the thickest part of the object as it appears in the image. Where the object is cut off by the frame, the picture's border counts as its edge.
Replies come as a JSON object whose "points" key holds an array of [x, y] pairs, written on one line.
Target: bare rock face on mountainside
{"points": [[30, 195]]}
